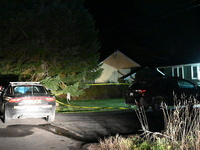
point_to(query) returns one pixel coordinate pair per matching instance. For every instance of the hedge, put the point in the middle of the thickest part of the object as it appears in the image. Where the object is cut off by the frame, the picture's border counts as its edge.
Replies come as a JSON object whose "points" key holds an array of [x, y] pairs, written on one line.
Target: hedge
{"points": [[103, 92]]}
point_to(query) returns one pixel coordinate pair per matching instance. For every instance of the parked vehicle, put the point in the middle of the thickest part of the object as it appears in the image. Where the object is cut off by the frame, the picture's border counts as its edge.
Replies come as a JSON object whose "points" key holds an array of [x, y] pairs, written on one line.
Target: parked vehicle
{"points": [[152, 93], [27, 100]]}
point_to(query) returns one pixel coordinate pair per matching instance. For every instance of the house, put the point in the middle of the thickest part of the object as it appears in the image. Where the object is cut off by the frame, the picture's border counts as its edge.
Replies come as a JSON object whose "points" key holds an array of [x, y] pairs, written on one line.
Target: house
{"points": [[190, 72], [116, 66]]}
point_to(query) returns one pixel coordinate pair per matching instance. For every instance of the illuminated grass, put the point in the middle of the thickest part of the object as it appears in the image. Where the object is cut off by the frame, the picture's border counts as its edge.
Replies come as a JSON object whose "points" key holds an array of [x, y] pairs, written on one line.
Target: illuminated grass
{"points": [[91, 105]]}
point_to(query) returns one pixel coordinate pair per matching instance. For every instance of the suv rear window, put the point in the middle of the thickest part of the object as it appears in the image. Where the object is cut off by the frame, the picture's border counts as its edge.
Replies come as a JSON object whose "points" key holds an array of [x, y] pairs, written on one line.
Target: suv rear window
{"points": [[137, 85]]}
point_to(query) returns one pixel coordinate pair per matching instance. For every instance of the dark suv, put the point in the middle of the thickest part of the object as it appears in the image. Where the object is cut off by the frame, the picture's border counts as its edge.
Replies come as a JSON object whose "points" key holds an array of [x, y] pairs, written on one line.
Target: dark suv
{"points": [[151, 93], [27, 100]]}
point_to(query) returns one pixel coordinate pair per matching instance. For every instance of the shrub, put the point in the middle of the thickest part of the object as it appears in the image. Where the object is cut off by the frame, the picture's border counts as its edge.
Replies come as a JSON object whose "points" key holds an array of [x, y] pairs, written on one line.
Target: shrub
{"points": [[103, 92], [182, 131], [113, 143]]}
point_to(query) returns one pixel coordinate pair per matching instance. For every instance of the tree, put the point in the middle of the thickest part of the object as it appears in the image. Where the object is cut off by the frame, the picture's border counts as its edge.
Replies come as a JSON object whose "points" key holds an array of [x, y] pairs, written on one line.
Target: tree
{"points": [[52, 41]]}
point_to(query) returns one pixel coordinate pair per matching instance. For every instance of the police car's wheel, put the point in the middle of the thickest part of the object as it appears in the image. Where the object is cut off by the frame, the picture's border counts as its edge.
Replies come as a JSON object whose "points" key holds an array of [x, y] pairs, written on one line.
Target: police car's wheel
{"points": [[6, 118], [1, 109], [51, 117]]}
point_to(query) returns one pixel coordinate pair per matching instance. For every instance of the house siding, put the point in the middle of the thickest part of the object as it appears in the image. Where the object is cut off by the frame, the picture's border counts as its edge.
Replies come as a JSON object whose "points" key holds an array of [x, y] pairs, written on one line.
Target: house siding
{"points": [[187, 72], [168, 71], [115, 67], [111, 74]]}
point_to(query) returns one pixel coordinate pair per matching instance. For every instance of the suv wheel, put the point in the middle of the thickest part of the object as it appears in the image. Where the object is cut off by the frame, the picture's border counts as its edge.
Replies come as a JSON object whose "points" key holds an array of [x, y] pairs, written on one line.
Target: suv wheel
{"points": [[143, 104], [157, 102]]}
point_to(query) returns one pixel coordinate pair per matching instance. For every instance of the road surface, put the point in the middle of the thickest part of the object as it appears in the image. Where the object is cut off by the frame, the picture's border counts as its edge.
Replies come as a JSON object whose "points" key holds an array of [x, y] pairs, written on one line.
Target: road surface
{"points": [[71, 131]]}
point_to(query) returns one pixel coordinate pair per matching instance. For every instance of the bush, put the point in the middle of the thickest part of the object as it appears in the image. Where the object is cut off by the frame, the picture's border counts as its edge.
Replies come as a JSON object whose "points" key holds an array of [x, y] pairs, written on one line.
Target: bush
{"points": [[112, 143], [182, 126], [103, 92], [182, 131]]}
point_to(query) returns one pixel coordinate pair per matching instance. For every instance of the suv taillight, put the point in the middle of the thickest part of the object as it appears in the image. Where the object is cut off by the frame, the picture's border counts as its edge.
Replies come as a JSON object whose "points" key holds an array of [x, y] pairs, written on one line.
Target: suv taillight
{"points": [[140, 91]]}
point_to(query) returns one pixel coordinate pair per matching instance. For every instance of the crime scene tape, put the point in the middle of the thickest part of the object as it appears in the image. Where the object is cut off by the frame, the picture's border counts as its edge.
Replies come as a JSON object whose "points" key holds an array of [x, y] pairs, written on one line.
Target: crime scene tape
{"points": [[110, 84], [90, 107]]}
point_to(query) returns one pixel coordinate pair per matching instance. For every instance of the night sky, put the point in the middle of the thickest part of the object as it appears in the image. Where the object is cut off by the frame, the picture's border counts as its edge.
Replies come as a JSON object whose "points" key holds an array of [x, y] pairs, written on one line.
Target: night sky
{"points": [[151, 32]]}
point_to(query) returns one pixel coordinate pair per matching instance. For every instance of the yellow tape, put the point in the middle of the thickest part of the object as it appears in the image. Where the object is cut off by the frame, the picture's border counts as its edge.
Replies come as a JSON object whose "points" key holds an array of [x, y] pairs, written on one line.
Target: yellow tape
{"points": [[110, 84], [89, 107]]}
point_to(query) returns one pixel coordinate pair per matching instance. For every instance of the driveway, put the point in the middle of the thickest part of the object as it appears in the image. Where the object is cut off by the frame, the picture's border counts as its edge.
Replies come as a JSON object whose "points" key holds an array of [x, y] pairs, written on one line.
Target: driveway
{"points": [[71, 130]]}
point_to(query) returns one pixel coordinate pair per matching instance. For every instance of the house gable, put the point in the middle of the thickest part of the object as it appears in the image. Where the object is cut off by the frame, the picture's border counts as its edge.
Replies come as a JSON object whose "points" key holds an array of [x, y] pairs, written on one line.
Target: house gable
{"points": [[116, 66], [120, 61]]}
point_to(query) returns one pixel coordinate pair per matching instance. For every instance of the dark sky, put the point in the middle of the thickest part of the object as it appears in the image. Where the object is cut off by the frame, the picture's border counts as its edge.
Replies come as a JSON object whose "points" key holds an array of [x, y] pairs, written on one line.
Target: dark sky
{"points": [[156, 32]]}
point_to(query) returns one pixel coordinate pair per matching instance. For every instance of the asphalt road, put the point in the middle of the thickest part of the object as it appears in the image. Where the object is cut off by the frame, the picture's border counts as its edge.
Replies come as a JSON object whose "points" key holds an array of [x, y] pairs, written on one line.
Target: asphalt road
{"points": [[71, 131]]}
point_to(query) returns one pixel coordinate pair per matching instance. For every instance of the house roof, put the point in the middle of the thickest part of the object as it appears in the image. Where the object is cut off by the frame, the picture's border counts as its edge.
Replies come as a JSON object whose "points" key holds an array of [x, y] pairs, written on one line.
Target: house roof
{"points": [[146, 71], [120, 61]]}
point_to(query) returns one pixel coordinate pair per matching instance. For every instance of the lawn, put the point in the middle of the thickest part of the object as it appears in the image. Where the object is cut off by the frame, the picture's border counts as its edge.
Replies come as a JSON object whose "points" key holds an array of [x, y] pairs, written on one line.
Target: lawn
{"points": [[91, 105]]}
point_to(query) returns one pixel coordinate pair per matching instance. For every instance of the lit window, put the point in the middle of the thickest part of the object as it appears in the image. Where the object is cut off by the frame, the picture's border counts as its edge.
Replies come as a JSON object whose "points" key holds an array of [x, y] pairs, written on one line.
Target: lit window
{"points": [[195, 72]]}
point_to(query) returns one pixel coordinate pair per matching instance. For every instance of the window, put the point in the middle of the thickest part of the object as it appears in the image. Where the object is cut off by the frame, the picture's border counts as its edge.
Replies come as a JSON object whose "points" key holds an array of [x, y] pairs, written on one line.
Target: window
{"points": [[178, 72], [9, 91], [186, 85], [175, 72], [22, 89], [195, 72], [169, 85]]}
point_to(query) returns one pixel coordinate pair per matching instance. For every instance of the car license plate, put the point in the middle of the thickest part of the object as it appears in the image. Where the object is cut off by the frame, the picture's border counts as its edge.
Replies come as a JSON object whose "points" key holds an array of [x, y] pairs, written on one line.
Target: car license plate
{"points": [[131, 94], [31, 102]]}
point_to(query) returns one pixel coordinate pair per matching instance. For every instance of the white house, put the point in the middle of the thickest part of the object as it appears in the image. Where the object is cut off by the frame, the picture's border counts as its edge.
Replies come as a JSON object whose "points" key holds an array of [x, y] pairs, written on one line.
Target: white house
{"points": [[116, 66]]}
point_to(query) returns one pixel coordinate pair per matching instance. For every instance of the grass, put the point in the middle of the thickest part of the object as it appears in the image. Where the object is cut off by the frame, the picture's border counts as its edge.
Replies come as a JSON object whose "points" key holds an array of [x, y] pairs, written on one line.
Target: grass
{"points": [[91, 105], [100, 103], [121, 143], [112, 143]]}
